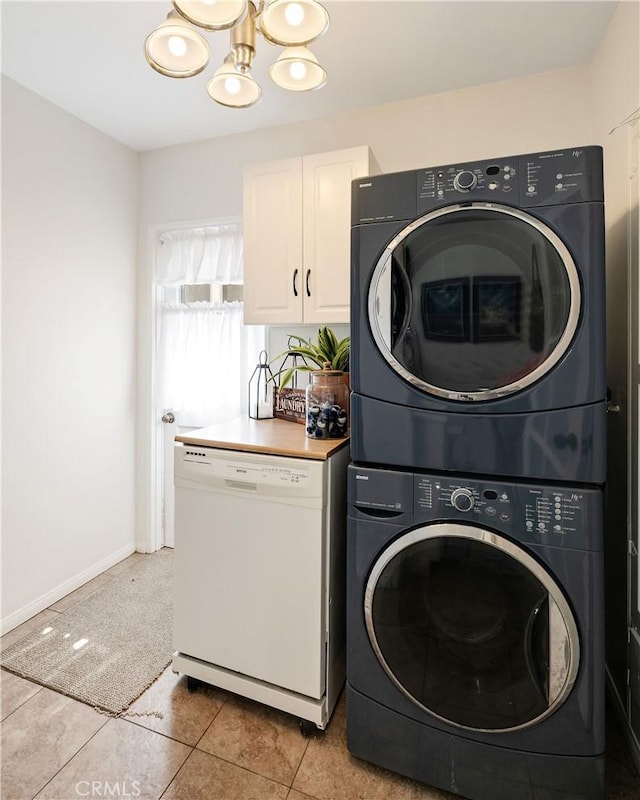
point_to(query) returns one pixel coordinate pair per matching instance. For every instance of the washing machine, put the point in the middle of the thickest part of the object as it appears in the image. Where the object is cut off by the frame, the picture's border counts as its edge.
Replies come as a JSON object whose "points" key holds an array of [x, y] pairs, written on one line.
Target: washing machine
{"points": [[478, 333], [475, 647]]}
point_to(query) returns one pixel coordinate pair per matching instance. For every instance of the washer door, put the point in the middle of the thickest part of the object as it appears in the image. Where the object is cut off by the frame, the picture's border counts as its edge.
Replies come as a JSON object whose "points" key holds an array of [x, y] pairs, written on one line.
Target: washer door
{"points": [[474, 302], [471, 628]]}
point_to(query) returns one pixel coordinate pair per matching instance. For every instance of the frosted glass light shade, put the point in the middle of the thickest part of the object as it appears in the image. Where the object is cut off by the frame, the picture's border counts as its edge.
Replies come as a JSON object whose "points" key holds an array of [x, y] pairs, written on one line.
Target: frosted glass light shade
{"points": [[293, 22], [232, 88], [214, 15], [298, 70], [175, 49]]}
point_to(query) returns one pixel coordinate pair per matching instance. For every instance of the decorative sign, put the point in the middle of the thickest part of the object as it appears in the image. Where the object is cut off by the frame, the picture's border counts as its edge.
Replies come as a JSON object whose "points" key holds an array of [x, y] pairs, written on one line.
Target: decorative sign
{"points": [[290, 405]]}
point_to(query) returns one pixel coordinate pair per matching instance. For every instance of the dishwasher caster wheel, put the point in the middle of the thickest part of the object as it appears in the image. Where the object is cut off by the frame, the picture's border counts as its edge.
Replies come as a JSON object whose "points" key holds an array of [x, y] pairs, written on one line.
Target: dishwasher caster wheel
{"points": [[307, 728], [193, 684]]}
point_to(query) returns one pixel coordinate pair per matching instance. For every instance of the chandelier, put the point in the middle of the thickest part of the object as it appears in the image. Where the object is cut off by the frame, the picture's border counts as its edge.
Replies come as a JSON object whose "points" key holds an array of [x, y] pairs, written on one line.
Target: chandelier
{"points": [[177, 49]]}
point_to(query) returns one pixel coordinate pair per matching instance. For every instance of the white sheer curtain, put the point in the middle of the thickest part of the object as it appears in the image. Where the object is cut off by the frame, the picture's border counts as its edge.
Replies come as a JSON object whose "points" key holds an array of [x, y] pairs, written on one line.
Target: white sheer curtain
{"points": [[201, 255], [205, 353]]}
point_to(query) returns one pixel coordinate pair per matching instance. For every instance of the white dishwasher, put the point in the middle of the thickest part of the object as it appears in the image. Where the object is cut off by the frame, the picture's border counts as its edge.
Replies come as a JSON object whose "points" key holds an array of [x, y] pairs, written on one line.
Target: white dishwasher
{"points": [[259, 576]]}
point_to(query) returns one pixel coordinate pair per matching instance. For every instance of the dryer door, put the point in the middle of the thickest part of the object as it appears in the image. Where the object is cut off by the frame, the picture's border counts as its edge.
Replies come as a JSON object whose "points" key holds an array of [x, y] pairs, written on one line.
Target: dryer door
{"points": [[474, 302], [471, 628]]}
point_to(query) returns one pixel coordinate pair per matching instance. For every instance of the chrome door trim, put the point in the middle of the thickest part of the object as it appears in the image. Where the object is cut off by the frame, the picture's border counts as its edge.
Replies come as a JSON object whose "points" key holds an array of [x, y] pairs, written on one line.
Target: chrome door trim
{"points": [[564, 643], [382, 273]]}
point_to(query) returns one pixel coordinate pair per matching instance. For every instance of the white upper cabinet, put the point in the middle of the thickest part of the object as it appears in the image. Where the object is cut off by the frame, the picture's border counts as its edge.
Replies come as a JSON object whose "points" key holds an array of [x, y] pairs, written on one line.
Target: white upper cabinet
{"points": [[297, 237]]}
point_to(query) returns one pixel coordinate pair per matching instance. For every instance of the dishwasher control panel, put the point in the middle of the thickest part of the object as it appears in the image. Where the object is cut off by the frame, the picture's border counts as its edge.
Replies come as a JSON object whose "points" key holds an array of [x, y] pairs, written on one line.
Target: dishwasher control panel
{"points": [[225, 469]]}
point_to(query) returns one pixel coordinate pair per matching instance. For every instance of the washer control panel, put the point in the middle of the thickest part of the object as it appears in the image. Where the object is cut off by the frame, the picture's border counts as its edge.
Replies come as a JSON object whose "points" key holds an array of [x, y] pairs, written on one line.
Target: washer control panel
{"points": [[477, 502], [462, 499], [557, 511], [527, 512], [553, 515]]}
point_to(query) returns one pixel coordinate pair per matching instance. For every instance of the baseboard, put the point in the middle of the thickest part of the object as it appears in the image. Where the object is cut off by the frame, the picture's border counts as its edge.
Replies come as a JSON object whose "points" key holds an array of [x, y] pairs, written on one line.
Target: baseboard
{"points": [[12, 621], [619, 710]]}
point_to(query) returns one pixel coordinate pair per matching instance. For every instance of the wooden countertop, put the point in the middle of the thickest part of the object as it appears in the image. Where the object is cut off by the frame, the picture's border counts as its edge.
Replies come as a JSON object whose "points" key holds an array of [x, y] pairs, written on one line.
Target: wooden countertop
{"points": [[272, 436]]}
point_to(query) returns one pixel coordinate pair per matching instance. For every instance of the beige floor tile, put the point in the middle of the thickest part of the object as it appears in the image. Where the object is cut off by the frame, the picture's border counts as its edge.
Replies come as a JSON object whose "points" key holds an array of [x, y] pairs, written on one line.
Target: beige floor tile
{"points": [[184, 715], [121, 758], [295, 795], [256, 737], [206, 777], [329, 772], [73, 598], [15, 691], [27, 627], [39, 738]]}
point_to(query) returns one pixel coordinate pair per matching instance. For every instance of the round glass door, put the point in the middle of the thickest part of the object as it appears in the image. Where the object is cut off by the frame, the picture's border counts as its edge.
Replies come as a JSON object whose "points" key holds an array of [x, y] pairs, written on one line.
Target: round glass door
{"points": [[474, 302], [471, 628]]}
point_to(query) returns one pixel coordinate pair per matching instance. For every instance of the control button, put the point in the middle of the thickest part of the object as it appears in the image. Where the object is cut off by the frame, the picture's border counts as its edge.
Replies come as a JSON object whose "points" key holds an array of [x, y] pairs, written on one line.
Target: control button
{"points": [[559, 185], [464, 181], [559, 176], [505, 517], [557, 528], [507, 169], [542, 526], [440, 192], [529, 524], [531, 188], [506, 187], [504, 496], [493, 185], [462, 499], [490, 511], [489, 494]]}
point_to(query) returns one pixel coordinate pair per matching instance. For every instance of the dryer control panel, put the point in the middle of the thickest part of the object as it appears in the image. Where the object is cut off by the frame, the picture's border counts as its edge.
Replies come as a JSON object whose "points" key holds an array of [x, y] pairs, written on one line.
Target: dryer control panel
{"points": [[553, 177], [550, 178], [483, 180]]}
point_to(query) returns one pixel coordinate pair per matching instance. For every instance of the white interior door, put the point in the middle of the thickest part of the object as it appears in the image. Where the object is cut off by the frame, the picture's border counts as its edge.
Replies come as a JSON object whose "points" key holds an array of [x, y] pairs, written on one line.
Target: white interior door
{"points": [[169, 430], [203, 354]]}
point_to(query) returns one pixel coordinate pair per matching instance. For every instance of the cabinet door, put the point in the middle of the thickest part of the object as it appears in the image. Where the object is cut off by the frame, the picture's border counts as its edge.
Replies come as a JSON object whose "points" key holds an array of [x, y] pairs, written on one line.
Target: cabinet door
{"points": [[273, 273], [327, 231]]}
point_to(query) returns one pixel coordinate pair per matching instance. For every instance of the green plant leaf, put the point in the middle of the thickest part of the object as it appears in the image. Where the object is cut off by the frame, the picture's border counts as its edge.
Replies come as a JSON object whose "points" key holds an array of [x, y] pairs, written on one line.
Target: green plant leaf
{"points": [[327, 348]]}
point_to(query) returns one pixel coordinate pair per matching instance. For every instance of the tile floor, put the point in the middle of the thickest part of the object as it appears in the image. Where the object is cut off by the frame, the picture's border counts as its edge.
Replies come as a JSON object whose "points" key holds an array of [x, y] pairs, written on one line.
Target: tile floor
{"points": [[205, 745]]}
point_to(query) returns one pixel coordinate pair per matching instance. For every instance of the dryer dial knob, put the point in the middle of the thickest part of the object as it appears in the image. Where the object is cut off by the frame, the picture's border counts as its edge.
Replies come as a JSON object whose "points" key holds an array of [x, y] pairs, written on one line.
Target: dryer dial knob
{"points": [[464, 181], [462, 499]]}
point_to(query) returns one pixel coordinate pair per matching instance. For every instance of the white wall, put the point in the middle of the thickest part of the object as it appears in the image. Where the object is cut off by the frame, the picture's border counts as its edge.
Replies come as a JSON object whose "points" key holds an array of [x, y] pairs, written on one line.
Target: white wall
{"points": [[69, 218], [204, 179]]}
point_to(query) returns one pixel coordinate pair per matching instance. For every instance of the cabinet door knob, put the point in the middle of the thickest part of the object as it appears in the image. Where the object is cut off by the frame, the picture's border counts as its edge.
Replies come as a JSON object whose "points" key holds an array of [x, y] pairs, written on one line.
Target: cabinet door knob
{"points": [[307, 283], [295, 278]]}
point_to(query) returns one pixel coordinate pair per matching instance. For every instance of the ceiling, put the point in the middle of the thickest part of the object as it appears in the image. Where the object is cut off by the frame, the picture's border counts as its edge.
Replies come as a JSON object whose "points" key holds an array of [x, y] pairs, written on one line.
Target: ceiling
{"points": [[87, 57]]}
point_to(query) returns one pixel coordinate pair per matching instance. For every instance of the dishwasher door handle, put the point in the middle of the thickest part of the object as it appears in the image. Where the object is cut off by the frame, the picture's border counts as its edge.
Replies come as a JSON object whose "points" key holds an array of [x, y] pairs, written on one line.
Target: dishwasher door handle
{"points": [[245, 486]]}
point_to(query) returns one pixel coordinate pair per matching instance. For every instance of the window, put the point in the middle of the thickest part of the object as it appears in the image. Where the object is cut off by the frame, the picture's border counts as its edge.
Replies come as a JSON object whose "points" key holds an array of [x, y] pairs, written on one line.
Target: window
{"points": [[205, 352]]}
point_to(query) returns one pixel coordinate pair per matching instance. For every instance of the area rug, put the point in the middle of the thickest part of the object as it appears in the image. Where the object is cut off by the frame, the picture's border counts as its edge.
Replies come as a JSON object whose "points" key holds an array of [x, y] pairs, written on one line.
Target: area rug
{"points": [[109, 648]]}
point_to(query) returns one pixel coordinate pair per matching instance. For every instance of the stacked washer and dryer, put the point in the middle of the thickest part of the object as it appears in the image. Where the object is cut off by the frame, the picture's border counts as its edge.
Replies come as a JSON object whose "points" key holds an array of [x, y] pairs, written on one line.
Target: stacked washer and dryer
{"points": [[474, 564]]}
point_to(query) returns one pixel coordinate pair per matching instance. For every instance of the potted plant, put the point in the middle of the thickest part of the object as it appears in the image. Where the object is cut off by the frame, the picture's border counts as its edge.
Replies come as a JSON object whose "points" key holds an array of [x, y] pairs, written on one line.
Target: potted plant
{"points": [[327, 349]]}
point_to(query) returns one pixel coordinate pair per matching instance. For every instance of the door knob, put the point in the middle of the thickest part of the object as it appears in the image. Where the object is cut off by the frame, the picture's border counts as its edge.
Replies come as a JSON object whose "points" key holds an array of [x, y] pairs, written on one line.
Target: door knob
{"points": [[168, 417]]}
